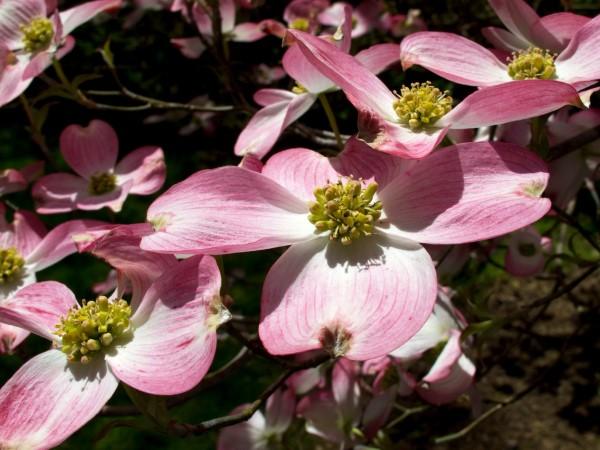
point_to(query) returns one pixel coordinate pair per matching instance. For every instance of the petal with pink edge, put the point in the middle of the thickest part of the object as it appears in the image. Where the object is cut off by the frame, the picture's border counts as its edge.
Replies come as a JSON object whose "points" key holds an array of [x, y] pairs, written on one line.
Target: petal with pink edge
{"points": [[11, 337], [504, 40], [174, 338], [266, 97], [59, 243], [311, 295], [11, 180], [12, 83], [38, 308], [364, 89], [280, 410], [113, 200], [486, 190], [48, 399], [322, 416], [580, 61], [509, 102], [265, 127], [522, 20], [224, 210], [57, 192], [246, 435], [145, 167], [90, 150], [29, 231], [450, 376], [564, 25], [378, 57], [78, 15], [248, 32], [297, 66], [453, 57]]}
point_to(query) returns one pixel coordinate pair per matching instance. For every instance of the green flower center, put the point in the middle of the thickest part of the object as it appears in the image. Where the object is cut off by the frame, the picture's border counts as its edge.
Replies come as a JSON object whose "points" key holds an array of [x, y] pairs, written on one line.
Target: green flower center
{"points": [[300, 23], [37, 35], [11, 264], [532, 64], [91, 329], [346, 210], [102, 183], [421, 105]]}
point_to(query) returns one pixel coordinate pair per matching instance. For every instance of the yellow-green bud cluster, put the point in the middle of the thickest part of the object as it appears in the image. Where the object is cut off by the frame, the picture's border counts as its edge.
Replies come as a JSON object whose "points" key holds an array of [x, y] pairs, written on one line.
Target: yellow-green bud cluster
{"points": [[37, 34], [299, 89], [102, 183], [87, 331], [11, 264], [346, 210], [532, 64], [421, 105], [300, 23]]}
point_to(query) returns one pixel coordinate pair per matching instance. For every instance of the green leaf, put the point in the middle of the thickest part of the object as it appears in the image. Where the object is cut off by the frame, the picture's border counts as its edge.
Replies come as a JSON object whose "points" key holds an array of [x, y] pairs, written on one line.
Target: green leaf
{"points": [[107, 54]]}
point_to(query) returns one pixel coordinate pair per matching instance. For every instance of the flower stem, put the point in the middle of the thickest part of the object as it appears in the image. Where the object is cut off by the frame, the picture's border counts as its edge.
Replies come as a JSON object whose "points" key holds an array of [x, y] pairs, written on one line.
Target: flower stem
{"points": [[332, 121]]}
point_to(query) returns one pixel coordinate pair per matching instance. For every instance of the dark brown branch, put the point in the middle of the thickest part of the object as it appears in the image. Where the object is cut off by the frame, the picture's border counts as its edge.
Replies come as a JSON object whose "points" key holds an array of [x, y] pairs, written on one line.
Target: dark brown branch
{"points": [[573, 144]]}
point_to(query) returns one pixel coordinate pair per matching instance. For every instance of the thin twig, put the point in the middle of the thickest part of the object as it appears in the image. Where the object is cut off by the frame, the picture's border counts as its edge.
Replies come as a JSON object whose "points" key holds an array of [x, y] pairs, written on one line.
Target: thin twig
{"points": [[573, 144]]}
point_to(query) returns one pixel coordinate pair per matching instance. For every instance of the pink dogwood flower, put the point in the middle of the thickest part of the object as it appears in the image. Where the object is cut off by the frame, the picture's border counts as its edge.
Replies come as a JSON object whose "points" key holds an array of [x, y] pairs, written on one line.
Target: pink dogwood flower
{"points": [[13, 180], [463, 61], [355, 280], [261, 432], [527, 29], [162, 346], [526, 253], [281, 107], [364, 17], [399, 25], [31, 36], [244, 32], [26, 247], [410, 124], [304, 14], [92, 152]]}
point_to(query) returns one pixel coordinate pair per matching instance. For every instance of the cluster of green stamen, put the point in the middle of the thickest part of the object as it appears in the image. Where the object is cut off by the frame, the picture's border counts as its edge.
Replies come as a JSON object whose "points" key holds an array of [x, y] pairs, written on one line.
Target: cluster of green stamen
{"points": [[421, 105], [11, 264], [300, 23], [532, 64], [102, 183], [346, 210], [37, 34], [91, 329], [299, 89]]}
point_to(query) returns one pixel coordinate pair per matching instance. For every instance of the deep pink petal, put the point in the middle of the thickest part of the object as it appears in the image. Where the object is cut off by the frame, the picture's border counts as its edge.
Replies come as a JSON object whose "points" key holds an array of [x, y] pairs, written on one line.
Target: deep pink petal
{"points": [[226, 210], [90, 150], [48, 399], [564, 25], [177, 320], [451, 375], [78, 15], [580, 61], [488, 189], [145, 167], [38, 308], [522, 20], [59, 243], [364, 89], [14, 14], [57, 192], [265, 127], [518, 100], [453, 57], [378, 57], [504, 40], [29, 231], [297, 66], [311, 295], [11, 180], [345, 388]]}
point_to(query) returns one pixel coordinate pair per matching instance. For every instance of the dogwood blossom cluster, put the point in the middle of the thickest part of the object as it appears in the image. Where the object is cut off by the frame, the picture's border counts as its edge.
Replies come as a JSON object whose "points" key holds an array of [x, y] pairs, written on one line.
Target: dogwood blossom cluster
{"points": [[362, 305]]}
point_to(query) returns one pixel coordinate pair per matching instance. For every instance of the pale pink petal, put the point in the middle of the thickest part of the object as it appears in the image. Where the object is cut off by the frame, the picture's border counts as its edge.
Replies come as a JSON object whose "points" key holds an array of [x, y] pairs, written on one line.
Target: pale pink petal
{"points": [[453, 57], [145, 167], [44, 59], [29, 231], [266, 97], [311, 295], [523, 21], [174, 339], [248, 32], [524, 256], [48, 399], [246, 435], [252, 163], [451, 375], [90, 150], [519, 100], [59, 243], [227, 10], [57, 192], [265, 127], [226, 210], [279, 411], [305, 381], [12, 83], [504, 40], [11, 337], [78, 15], [113, 200], [14, 14], [297, 66], [121, 249], [488, 189], [38, 308], [191, 48], [580, 61], [564, 25], [427, 337], [378, 57], [345, 388], [364, 89], [322, 416], [202, 19]]}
